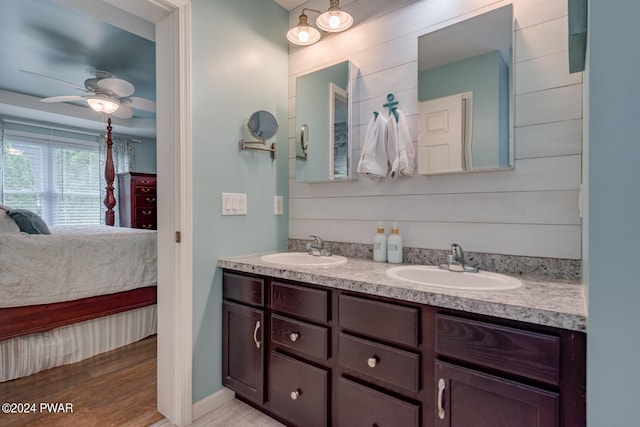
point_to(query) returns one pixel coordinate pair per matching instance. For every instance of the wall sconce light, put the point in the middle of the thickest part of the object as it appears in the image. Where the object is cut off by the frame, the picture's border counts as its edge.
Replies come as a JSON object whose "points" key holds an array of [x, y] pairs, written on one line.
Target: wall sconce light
{"points": [[303, 34], [103, 104], [333, 20]]}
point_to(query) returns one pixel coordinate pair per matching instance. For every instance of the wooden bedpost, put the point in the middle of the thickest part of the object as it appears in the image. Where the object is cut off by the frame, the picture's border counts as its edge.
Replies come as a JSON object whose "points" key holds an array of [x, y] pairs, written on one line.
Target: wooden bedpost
{"points": [[109, 175]]}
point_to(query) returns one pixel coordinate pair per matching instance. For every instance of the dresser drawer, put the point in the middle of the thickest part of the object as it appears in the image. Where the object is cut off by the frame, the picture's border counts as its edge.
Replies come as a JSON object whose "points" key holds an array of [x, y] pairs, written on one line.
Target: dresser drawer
{"points": [[308, 303], [144, 200], [144, 214], [385, 321], [528, 354], [249, 290], [147, 225], [144, 181], [298, 391], [149, 191], [303, 337], [381, 362], [360, 406]]}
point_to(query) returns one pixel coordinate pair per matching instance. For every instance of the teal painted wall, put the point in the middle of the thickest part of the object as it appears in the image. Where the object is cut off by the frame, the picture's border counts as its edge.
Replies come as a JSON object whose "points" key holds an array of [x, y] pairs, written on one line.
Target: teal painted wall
{"points": [[487, 76], [613, 345], [239, 66], [146, 156]]}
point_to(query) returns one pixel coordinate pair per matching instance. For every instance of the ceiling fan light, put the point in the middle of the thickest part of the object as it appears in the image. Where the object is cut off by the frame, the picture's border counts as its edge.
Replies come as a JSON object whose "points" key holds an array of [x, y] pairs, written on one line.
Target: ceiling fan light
{"points": [[103, 104], [303, 34], [335, 19]]}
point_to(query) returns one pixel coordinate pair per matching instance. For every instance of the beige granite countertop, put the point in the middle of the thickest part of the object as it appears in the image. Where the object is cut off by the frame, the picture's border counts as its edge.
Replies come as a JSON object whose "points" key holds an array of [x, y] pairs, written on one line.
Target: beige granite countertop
{"points": [[548, 303]]}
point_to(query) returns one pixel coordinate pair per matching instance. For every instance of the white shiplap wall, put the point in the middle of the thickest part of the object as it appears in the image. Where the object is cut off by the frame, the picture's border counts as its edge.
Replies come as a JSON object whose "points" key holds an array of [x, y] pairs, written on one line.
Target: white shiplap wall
{"points": [[532, 210]]}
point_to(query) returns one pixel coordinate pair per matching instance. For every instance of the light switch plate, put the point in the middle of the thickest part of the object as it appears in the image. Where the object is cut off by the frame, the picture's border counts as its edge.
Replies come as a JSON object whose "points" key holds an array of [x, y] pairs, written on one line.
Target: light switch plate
{"points": [[278, 205], [234, 204]]}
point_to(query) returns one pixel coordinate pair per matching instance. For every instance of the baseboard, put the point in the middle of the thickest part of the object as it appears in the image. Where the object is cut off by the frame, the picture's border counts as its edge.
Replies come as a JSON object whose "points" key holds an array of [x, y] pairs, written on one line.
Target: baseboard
{"points": [[204, 406]]}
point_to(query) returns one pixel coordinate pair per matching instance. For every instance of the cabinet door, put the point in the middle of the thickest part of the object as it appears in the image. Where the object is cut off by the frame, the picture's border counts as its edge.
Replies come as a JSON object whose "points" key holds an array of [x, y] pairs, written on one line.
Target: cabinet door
{"points": [[243, 350], [474, 399]]}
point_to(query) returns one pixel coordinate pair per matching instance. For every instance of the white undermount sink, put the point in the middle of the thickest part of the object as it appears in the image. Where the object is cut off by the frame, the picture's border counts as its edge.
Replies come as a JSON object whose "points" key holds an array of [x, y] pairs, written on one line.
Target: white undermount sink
{"points": [[302, 259], [430, 275]]}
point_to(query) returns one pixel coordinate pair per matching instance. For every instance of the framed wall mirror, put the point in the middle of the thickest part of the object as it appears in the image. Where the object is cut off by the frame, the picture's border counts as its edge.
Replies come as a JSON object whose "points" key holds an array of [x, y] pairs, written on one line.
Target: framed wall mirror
{"points": [[323, 131], [465, 95]]}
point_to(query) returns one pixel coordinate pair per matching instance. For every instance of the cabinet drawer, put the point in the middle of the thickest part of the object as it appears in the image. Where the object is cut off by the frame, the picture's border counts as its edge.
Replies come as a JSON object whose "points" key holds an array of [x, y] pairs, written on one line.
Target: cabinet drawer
{"points": [[385, 321], [299, 301], [298, 391], [146, 224], [144, 181], [149, 191], [394, 366], [145, 200], [529, 354], [304, 337], [245, 289], [145, 214], [360, 406]]}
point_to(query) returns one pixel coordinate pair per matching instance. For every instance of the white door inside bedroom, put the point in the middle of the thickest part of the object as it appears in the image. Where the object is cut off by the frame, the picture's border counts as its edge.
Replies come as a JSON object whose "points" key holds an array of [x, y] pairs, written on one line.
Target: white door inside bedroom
{"points": [[442, 133]]}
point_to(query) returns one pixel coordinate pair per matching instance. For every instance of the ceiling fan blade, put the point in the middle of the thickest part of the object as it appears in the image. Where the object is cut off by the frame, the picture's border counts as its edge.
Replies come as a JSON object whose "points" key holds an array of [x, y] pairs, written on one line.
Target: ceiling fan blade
{"points": [[118, 87], [123, 112], [140, 103], [63, 98], [56, 80]]}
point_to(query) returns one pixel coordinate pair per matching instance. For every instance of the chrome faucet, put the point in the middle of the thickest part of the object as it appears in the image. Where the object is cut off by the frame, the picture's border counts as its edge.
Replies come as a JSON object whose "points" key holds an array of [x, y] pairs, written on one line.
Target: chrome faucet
{"points": [[456, 262], [316, 247]]}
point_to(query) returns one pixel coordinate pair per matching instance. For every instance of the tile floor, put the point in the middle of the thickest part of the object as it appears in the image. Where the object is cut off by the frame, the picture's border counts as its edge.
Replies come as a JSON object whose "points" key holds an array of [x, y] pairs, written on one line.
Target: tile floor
{"points": [[232, 414]]}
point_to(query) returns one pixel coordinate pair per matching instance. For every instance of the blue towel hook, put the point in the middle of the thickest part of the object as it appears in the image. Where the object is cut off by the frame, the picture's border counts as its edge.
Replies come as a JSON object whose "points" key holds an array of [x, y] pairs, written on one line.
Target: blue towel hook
{"points": [[392, 105]]}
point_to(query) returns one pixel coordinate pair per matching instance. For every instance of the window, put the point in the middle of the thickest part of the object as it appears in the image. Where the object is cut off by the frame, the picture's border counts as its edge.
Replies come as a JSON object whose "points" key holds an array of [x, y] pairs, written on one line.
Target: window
{"points": [[53, 172]]}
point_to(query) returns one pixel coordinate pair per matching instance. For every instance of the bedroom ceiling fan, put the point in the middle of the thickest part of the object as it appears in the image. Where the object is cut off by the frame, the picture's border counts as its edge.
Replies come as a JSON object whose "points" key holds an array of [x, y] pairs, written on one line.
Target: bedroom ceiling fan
{"points": [[105, 94]]}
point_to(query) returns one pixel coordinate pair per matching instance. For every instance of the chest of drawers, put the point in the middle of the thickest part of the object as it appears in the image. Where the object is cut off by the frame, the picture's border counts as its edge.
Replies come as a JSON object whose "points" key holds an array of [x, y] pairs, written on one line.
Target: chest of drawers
{"points": [[137, 200]]}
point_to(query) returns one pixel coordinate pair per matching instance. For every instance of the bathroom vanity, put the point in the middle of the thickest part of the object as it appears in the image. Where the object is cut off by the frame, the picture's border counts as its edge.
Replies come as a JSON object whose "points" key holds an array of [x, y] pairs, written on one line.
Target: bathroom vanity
{"points": [[344, 345]]}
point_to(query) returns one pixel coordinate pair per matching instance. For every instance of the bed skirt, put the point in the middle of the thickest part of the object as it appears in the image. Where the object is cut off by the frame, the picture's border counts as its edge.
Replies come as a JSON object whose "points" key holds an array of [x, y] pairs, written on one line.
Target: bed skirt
{"points": [[28, 354]]}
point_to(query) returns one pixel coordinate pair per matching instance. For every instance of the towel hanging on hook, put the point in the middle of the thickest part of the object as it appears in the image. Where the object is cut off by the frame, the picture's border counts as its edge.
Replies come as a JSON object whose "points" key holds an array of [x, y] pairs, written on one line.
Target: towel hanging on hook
{"points": [[392, 105]]}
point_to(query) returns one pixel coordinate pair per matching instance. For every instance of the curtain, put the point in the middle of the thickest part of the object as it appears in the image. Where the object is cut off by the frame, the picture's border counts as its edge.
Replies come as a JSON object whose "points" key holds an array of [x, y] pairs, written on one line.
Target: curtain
{"points": [[123, 161]]}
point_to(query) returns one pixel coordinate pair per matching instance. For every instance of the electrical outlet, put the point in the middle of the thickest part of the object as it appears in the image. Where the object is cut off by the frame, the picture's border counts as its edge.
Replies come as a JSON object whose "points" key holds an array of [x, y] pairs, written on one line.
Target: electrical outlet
{"points": [[278, 205]]}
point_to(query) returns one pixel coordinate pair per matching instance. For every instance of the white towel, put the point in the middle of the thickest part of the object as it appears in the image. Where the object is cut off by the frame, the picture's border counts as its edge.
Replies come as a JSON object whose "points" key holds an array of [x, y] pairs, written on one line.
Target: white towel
{"points": [[374, 160], [399, 146]]}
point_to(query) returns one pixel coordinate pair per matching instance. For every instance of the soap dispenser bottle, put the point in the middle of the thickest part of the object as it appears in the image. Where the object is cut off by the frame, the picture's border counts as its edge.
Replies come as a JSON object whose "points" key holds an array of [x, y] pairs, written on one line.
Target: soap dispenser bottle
{"points": [[380, 244], [394, 246]]}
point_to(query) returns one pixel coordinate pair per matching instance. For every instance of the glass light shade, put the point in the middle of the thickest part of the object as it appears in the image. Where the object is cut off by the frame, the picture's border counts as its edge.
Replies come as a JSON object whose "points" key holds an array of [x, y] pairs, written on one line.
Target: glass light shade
{"points": [[334, 20], [303, 34], [103, 104]]}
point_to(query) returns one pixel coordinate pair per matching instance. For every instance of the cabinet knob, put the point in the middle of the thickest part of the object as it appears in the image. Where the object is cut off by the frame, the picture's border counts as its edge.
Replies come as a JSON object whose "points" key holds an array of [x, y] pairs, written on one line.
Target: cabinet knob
{"points": [[295, 394], [293, 336], [372, 361]]}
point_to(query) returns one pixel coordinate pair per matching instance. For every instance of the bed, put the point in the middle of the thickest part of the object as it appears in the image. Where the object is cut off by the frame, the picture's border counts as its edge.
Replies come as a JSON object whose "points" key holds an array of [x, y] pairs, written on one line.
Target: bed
{"points": [[74, 293]]}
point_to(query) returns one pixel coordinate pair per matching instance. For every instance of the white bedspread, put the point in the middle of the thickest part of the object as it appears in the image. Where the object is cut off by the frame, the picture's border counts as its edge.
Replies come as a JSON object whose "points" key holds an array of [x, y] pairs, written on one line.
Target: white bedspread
{"points": [[74, 262]]}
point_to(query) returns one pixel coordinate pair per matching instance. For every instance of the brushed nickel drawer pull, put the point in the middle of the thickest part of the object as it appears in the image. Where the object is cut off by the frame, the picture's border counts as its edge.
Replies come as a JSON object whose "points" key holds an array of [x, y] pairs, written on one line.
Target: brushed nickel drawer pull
{"points": [[147, 226], [293, 336], [146, 182], [145, 190], [255, 334], [441, 386], [373, 361], [295, 394], [151, 199], [147, 212]]}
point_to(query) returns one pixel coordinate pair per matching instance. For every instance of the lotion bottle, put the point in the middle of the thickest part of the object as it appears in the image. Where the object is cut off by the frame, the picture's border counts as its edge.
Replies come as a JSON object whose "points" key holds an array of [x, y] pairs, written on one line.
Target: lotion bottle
{"points": [[394, 246], [380, 244]]}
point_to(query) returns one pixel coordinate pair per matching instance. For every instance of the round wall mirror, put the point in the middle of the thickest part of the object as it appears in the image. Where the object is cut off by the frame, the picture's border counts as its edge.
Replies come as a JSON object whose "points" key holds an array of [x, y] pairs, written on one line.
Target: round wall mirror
{"points": [[262, 124]]}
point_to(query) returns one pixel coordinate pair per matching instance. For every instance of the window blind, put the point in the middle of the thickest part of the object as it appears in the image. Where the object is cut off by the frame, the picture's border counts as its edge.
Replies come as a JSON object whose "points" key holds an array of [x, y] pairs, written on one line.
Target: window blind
{"points": [[51, 171]]}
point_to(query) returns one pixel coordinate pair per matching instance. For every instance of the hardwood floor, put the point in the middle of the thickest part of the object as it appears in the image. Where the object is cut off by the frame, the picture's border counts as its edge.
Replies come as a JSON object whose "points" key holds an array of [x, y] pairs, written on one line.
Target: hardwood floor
{"points": [[117, 388]]}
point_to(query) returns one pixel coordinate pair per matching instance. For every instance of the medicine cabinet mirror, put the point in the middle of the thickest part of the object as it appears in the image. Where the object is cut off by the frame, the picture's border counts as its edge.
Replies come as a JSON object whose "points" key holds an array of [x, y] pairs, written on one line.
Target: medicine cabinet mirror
{"points": [[465, 95], [324, 113]]}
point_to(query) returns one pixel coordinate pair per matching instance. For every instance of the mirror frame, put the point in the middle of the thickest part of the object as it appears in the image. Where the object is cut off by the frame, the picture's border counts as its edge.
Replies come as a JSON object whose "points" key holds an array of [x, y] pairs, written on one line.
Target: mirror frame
{"points": [[510, 139], [305, 158]]}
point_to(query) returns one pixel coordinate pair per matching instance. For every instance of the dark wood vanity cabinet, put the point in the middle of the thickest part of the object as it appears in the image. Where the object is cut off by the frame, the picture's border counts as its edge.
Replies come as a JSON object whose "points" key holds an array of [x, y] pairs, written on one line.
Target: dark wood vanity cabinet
{"points": [[339, 358], [243, 323]]}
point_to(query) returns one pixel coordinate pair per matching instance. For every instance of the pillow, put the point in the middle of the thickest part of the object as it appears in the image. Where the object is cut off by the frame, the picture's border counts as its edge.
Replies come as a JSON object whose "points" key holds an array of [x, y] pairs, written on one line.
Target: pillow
{"points": [[29, 222], [7, 225]]}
